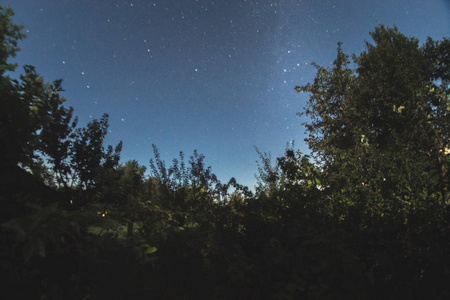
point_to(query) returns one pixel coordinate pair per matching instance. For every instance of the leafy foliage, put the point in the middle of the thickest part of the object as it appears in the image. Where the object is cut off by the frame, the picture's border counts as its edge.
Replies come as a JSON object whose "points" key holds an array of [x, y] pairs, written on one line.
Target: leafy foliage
{"points": [[10, 34], [375, 130]]}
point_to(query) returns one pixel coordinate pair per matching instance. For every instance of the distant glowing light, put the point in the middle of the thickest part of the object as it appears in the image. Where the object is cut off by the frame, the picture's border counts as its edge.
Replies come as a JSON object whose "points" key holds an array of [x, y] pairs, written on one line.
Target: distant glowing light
{"points": [[196, 70]]}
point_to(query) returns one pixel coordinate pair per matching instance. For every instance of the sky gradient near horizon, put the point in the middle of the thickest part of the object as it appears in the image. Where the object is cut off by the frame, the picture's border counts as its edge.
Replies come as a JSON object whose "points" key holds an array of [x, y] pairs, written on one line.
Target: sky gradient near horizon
{"points": [[216, 76]]}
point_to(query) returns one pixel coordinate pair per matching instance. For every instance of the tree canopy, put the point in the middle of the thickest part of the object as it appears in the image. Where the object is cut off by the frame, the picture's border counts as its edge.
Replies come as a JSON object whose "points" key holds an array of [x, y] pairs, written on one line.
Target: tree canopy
{"points": [[381, 129]]}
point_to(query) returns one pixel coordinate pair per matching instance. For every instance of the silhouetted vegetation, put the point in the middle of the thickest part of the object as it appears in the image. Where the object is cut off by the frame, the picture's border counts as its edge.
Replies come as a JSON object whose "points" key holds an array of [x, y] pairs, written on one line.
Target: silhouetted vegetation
{"points": [[365, 216]]}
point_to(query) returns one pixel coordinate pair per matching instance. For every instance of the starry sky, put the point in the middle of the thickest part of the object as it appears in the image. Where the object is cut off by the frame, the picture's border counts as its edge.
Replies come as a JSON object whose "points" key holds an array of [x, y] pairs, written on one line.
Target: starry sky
{"points": [[216, 76]]}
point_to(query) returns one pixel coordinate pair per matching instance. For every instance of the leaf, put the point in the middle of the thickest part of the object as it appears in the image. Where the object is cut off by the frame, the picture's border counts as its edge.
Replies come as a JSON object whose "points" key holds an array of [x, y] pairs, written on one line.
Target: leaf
{"points": [[150, 250]]}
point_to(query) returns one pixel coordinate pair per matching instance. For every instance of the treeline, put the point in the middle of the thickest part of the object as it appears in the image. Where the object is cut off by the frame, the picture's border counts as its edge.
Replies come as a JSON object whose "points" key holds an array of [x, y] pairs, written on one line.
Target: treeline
{"points": [[365, 216]]}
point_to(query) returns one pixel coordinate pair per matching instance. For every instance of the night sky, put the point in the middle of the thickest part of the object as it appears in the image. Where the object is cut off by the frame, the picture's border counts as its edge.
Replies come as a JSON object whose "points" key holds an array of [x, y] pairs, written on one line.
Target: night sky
{"points": [[216, 76]]}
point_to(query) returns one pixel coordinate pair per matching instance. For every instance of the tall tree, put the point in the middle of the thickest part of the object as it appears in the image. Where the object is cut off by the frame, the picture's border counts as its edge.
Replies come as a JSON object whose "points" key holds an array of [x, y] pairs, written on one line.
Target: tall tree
{"points": [[379, 131], [32, 116], [50, 125]]}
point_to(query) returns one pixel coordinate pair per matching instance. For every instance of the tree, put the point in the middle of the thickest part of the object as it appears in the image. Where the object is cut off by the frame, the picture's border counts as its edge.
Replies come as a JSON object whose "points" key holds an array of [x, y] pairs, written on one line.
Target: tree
{"points": [[40, 150], [49, 123], [32, 118], [194, 183], [12, 133], [89, 159], [10, 34], [379, 131], [131, 193]]}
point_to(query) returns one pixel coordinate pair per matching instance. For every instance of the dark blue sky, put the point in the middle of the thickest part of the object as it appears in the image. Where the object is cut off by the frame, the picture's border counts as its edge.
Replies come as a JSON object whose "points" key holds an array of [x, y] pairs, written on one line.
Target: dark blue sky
{"points": [[216, 76]]}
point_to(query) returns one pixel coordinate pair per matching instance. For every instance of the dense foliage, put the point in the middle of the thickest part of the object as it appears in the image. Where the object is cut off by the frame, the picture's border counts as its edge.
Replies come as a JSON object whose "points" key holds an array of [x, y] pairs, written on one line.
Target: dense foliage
{"points": [[365, 216]]}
